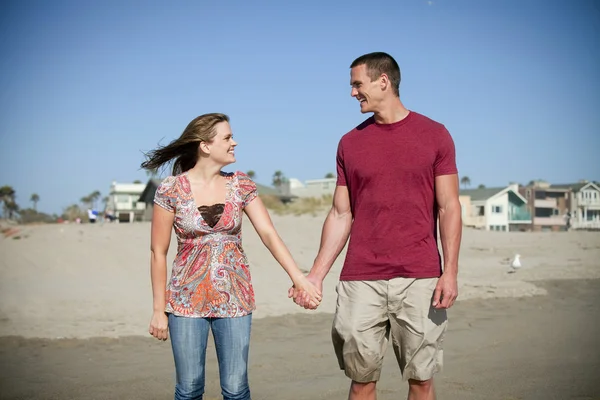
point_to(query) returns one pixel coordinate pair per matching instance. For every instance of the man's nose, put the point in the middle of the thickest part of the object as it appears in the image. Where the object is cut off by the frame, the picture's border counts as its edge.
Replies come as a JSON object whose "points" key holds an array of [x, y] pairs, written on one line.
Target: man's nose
{"points": [[354, 92]]}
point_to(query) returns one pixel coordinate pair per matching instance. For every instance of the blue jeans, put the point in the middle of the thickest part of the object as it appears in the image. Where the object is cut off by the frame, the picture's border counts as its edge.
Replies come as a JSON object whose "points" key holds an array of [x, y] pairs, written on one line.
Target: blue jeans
{"points": [[189, 337]]}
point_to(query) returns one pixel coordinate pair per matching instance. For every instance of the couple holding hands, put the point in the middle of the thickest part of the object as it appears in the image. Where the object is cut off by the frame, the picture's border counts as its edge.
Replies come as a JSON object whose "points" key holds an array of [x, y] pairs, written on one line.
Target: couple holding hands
{"points": [[396, 179]]}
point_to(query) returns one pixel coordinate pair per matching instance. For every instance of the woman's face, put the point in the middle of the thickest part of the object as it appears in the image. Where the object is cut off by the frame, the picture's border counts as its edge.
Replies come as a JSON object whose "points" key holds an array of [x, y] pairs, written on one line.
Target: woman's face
{"points": [[221, 148]]}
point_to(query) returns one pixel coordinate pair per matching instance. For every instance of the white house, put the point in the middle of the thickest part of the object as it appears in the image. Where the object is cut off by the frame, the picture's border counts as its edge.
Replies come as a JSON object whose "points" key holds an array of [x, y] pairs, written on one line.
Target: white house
{"points": [[584, 205], [495, 209], [123, 201]]}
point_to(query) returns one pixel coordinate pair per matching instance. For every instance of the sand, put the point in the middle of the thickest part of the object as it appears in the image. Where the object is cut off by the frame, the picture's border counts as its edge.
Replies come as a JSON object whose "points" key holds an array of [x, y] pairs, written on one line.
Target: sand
{"points": [[76, 303]]}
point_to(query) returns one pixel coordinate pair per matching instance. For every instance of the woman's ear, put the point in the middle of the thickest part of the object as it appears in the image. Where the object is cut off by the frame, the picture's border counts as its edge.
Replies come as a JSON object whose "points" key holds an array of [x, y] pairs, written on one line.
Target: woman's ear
{"points": [[204, 147]]}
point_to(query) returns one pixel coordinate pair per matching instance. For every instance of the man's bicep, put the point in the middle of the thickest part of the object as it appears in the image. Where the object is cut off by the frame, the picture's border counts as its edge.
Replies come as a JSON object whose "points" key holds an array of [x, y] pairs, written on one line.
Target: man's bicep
{"points": [[341, 200], [446, 189]]}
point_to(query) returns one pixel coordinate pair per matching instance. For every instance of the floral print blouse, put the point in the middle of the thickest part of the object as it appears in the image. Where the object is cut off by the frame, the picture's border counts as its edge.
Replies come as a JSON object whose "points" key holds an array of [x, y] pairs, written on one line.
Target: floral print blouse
{"points": [[210, 276]]}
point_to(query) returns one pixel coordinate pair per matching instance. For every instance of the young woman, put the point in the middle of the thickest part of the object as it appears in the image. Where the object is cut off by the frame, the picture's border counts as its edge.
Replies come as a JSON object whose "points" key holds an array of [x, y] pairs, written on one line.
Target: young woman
{"points": [[210, 286]]}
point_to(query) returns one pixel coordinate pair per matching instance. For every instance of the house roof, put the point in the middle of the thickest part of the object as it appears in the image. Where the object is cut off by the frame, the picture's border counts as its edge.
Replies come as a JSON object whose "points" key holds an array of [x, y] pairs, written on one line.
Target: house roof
{"points": [[147, 195], [487, 193], [576, 187], [481, 194]]}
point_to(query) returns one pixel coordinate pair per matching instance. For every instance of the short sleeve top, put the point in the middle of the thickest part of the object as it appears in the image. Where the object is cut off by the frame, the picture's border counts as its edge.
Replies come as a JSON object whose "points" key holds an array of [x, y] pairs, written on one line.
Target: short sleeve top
{"points": [[210, 275]]}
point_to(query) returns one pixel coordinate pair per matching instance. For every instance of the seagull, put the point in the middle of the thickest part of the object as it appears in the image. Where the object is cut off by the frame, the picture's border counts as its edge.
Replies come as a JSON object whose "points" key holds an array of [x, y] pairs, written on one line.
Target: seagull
{"points": [[515, 264]]}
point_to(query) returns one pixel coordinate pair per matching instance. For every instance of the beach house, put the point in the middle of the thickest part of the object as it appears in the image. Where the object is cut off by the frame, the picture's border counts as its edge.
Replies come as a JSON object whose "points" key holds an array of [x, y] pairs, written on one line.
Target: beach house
{"points": [[123, 201], [583, 205], [495, 209]]}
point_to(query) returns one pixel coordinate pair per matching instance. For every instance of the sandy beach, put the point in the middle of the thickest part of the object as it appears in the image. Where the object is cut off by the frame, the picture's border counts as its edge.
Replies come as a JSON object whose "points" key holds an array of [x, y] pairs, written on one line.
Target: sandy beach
{"points": [[76, 302]]}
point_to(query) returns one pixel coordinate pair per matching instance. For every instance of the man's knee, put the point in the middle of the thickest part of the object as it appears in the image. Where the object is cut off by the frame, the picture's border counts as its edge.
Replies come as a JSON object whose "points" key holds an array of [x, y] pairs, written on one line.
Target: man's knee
{"points": [[422, 386], [362, 387]]}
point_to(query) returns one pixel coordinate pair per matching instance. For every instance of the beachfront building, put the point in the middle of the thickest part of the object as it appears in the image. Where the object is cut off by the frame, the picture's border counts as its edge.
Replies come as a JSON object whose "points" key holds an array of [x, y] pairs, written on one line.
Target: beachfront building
{"points": [[495, 209], [548, 204], [123, 202], [316, 188], [583, 206]]}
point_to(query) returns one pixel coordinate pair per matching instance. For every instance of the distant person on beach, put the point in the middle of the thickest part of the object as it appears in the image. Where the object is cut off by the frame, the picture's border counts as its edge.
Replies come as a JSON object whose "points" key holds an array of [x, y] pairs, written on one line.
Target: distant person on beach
{"points": [[210, 286], [92, 215], [396, 174]]}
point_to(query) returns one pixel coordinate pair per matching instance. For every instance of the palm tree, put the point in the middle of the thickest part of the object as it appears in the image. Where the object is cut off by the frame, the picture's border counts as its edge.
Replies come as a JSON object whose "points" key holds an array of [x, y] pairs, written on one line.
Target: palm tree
{"points": [[94, 196], [86, 201], [329, 175], [465, 181], [7, 196], [72, 212], [34, 199], [12, 208], [278, 178], [251, 174]]}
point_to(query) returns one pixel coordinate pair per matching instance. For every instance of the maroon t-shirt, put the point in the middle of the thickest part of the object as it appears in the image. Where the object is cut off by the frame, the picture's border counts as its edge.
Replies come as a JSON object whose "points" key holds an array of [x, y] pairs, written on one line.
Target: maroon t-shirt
{"points": [[390, 172]]}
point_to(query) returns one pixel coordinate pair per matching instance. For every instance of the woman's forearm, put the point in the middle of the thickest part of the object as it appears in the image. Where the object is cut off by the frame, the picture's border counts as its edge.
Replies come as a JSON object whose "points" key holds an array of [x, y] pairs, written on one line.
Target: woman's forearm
{"points": [[158, 275]]}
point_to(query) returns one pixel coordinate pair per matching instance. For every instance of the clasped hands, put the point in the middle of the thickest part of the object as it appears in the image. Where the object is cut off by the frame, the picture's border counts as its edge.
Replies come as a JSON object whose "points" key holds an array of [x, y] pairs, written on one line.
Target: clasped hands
{"points": [[307, 292]]}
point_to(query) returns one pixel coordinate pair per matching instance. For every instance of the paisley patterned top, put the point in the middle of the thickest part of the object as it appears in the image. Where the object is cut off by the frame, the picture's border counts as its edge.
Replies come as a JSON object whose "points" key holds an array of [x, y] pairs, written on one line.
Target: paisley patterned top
{"points": [[210, 275]]}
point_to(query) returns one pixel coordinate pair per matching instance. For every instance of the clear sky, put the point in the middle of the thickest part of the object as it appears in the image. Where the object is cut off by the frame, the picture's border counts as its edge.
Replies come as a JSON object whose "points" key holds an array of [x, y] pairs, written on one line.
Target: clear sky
{"points": [[87, 86]]}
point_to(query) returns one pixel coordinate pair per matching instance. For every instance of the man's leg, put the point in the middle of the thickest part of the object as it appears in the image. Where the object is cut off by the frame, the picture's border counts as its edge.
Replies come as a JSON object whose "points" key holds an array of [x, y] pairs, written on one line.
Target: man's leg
{"points": [[360, 391], [360, 331], [417, 334], [421, 390]]}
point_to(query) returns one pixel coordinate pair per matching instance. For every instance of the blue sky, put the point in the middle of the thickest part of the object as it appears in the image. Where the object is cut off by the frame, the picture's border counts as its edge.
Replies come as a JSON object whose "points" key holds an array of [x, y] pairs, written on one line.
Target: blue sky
{"points": [[86, 87]]}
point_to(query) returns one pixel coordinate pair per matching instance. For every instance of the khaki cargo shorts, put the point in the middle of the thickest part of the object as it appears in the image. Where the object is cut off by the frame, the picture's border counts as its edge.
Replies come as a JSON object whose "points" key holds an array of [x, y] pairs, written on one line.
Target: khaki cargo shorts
{"points": [[368, 311]]}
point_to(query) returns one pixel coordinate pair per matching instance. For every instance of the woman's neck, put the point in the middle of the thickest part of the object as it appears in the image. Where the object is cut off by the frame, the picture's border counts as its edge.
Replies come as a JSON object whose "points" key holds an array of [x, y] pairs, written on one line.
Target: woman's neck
{"points": [[205, 172]]}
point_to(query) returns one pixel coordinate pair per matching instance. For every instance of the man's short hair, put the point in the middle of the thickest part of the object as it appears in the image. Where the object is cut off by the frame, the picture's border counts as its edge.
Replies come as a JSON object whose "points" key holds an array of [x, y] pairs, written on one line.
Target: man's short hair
{"points": [[380, 63]]}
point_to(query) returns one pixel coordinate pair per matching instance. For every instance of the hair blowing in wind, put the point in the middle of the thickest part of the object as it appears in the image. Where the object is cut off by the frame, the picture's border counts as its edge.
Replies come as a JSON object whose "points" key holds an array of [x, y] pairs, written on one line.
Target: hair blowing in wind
{"points": [[184, 150]]}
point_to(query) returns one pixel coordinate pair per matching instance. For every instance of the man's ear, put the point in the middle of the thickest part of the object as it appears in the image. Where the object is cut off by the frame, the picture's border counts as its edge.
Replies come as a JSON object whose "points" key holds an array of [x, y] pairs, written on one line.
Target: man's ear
{"points": [[384, 81]]}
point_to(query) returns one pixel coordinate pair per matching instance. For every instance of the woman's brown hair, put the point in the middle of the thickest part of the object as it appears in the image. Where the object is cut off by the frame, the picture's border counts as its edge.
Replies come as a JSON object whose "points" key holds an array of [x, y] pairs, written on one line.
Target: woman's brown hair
{"points": [[185, 149]]}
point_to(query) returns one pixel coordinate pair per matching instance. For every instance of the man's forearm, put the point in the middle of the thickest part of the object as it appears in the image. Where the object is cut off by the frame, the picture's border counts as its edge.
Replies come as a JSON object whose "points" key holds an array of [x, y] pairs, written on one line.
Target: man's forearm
{"points": [[451, 234], [334, 236]]}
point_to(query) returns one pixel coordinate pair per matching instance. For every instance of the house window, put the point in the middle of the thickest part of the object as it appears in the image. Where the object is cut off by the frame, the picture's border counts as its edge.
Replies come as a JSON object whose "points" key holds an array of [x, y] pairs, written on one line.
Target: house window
{"points": [[555, 211], [528, 194], [122, 198], [497, 209]]}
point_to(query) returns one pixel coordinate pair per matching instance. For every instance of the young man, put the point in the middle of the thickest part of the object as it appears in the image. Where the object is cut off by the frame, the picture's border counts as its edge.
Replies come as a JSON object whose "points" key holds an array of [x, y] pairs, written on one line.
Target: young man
{"points": [[396, 176]]}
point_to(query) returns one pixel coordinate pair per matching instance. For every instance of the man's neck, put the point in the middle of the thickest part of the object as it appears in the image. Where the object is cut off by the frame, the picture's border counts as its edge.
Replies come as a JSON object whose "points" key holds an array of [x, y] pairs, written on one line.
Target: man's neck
{"points": [[390, 113]]}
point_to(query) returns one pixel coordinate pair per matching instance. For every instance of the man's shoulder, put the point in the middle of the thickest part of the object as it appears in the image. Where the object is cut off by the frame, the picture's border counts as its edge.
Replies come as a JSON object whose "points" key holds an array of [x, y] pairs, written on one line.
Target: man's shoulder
{"points": [[424, 120], [358, 128]]}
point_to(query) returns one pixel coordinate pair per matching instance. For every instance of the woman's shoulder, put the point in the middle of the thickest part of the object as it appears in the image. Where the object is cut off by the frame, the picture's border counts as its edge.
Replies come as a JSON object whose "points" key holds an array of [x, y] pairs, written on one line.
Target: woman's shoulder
{"points": [[168, 181], [241, 175]]}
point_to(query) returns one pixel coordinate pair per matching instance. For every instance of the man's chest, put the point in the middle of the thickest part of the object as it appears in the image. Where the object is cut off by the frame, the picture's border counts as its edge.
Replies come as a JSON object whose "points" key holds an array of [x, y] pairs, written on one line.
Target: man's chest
{"points": [[385, 159]]}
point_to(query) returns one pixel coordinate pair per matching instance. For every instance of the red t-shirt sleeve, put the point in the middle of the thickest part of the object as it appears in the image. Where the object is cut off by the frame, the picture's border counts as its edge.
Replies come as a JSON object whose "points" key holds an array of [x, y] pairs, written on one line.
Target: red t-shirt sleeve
{"points": [[341, 172], [445, 160]]}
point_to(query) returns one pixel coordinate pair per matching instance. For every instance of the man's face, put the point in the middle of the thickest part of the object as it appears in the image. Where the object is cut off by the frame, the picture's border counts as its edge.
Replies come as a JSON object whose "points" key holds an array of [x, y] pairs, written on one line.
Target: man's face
{"points": [[367, 92]]}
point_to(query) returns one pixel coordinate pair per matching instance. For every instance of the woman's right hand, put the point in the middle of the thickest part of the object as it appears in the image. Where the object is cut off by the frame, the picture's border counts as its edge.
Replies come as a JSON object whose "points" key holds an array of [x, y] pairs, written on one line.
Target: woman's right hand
{"points": [[159, 325]]}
